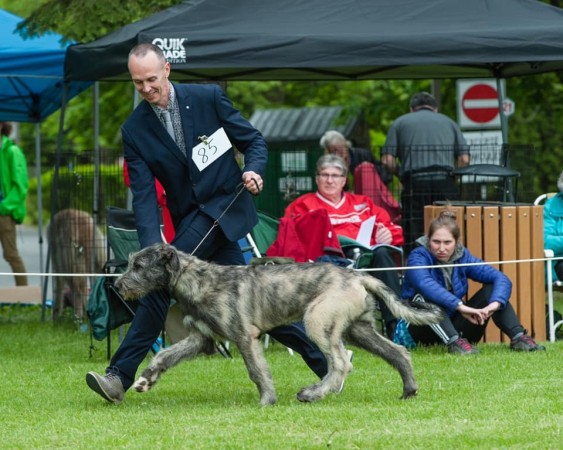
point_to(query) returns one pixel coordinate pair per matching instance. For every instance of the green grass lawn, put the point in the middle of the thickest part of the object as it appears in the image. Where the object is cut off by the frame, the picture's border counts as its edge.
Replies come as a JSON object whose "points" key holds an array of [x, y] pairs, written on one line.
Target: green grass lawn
{"points": [[498, 399]]}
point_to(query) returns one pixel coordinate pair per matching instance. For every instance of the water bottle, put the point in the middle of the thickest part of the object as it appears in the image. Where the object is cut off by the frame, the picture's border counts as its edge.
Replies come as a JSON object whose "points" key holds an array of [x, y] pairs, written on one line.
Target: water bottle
{"points": [[356, 257]]}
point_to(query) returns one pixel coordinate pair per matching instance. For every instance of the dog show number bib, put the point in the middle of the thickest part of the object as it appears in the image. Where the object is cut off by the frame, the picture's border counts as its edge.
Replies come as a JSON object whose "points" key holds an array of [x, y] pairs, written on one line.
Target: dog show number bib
{"points": [[210, 149]]}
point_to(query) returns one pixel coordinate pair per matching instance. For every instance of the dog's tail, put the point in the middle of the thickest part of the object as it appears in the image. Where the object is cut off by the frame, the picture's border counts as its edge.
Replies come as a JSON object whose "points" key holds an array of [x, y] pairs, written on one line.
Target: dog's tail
{"points": [[415, 313]]}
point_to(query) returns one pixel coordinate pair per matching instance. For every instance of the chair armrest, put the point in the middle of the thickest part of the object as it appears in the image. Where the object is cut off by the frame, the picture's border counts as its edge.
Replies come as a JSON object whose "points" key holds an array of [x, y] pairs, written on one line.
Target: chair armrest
{"points": [[347, 242]]}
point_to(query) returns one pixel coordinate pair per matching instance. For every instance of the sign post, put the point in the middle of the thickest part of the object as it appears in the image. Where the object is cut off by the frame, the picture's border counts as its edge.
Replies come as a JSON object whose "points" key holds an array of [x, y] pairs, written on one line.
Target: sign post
{"points": [[479, 109]]}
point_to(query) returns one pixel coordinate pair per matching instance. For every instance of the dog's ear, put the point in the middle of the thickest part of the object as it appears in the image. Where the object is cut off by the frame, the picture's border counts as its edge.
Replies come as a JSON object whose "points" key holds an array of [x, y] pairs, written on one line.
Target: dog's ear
{"points": [[170, 257]]}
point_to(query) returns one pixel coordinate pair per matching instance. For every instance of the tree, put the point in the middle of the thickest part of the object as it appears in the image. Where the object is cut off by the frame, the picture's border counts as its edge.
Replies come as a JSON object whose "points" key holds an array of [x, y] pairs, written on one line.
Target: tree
{"points": [[88, 20]]}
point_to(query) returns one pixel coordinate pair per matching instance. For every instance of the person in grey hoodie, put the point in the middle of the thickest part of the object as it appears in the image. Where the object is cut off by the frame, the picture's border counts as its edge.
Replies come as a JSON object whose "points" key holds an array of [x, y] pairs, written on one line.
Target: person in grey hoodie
{"points": [[443, 280]]}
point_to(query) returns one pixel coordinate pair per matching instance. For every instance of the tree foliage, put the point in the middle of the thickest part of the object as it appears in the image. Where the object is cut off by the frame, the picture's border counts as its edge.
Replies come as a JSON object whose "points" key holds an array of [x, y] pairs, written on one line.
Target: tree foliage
{"points": [[537, 119], [87, 20]]}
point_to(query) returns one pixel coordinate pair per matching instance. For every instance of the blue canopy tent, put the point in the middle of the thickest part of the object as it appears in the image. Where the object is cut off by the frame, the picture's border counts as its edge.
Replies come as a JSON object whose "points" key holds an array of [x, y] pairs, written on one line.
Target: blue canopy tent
{"points": [[31, 84], [31, 74]]}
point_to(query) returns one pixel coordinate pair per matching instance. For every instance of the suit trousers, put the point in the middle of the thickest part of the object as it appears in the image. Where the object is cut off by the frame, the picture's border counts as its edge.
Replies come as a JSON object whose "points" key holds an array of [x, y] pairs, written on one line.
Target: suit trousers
{"points": [[383, 257], [153, 308]]}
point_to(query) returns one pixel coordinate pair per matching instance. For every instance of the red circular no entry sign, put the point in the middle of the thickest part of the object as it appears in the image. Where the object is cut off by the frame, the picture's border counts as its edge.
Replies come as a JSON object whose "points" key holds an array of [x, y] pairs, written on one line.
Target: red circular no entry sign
{"points": [[480, 103]]}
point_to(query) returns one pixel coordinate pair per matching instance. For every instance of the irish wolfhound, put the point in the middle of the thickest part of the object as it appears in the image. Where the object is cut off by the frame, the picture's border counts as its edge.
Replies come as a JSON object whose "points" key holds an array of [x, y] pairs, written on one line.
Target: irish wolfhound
{"points": [[240, 303], [76, 247]]}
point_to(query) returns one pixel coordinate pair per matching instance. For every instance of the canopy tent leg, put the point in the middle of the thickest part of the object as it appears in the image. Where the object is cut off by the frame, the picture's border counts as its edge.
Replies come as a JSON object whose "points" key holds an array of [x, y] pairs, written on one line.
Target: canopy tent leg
{"points": [[39, 197], [96, 187], [54, 190], [508, 193]]}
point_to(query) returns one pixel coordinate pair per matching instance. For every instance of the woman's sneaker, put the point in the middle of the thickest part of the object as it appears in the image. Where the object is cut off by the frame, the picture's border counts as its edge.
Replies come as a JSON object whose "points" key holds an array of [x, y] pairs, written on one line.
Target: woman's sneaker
{"points": [[525, 343], [461, 347]]}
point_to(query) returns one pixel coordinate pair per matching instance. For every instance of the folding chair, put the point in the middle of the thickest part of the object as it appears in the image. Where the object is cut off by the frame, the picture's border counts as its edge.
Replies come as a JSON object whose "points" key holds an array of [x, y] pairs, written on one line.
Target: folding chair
{"points": [[552, 285], [106, 309], [265, 232], [364, 254], [122, 240]]}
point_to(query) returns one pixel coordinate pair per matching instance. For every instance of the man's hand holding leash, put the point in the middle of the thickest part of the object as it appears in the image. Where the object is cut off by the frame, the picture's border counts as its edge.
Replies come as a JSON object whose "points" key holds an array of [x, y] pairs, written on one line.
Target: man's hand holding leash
{"points": [[253, 182]]}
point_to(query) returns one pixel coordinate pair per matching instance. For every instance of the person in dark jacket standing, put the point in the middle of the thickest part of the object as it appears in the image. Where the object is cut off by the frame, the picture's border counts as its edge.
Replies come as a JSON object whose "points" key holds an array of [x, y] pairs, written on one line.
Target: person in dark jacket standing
{"points": [[185, 135], [443, 280]]}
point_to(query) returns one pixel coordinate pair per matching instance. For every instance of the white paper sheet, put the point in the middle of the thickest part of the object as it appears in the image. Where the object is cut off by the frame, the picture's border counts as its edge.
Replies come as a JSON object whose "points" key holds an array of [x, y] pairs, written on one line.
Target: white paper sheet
{"points": [[366, 230]]}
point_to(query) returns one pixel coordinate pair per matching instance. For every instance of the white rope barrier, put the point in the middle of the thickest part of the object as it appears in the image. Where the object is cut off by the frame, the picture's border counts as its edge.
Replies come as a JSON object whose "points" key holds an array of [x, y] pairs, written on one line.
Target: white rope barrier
{"points": [[484, 263], [44, 274]]}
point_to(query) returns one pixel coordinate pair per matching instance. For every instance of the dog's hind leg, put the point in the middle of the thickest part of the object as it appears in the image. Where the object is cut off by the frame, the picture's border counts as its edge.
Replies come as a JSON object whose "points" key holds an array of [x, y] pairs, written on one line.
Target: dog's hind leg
{"points": [[339, 367], [362, 333], [258, 369], [187, 348], [326, 330]]}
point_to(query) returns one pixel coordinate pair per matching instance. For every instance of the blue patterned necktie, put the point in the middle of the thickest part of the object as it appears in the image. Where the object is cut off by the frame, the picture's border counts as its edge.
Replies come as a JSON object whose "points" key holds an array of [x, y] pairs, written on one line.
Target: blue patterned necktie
{"points": [[167, 120]]}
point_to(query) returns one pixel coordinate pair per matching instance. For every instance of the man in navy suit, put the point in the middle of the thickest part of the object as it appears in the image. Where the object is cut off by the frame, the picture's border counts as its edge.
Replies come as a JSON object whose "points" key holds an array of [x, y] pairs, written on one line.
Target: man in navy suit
{"points": [[184, 136]]}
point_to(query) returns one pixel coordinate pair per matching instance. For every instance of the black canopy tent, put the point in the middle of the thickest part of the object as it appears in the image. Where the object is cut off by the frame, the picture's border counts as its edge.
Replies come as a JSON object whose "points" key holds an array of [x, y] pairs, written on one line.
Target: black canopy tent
{"points": [[344, 40]]}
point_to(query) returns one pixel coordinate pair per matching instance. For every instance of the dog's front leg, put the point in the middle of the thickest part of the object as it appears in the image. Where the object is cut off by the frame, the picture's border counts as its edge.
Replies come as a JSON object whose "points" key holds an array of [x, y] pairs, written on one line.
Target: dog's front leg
{"points": [[258, 369], [187, 348]]}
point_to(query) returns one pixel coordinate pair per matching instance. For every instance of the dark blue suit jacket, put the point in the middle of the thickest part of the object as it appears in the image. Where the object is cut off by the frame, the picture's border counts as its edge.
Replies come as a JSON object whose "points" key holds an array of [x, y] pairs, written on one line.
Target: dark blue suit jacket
{"points": [[150, 152]]}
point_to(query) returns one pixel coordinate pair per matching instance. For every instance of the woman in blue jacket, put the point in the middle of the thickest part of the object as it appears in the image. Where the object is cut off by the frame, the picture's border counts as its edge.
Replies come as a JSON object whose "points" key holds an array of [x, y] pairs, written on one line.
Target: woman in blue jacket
{"points": [[446, 286]]}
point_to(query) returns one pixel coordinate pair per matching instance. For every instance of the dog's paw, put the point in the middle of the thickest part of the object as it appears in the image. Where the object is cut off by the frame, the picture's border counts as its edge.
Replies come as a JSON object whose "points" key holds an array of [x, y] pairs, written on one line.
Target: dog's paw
{"points": [[410, 393], [142, 385], [308, 395], [268, 400]]}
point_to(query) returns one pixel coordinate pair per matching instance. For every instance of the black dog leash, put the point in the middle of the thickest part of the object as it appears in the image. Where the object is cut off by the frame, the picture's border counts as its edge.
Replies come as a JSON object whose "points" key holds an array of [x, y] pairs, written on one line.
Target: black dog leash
{"points": [[220, 346], [240, 188]]}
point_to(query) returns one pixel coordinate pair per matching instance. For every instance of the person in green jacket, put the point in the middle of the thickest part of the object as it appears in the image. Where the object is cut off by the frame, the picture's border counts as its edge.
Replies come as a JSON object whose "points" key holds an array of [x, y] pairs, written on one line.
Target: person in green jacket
{"points": [[13, 194]]}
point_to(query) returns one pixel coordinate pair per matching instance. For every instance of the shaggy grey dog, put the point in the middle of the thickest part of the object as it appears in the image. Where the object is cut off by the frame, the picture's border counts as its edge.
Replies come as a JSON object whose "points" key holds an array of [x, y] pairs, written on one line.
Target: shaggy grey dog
{"points": [[240, 303]]}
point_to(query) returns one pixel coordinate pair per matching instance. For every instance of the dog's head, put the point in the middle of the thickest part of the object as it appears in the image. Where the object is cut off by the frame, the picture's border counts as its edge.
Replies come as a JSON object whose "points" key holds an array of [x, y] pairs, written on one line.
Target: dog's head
{"points": [[149, 269]]}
